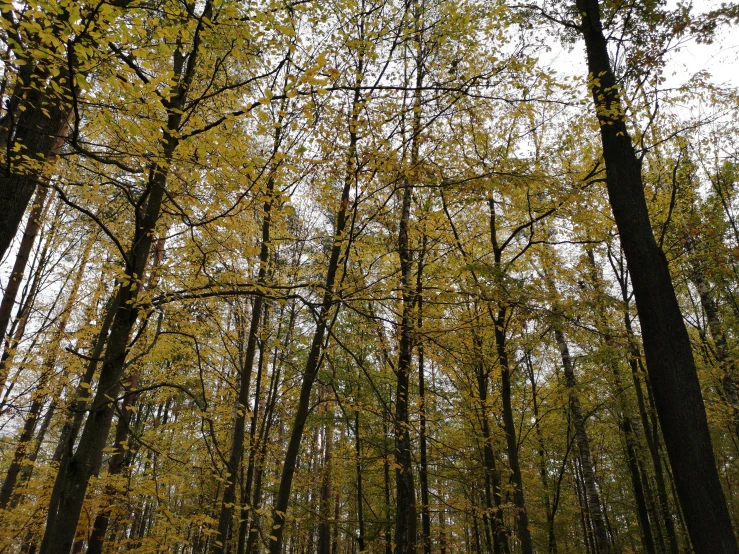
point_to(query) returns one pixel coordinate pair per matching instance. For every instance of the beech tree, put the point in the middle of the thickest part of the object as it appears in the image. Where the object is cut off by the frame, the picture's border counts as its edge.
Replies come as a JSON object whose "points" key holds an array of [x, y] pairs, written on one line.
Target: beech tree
{"points": [[366, 276]]}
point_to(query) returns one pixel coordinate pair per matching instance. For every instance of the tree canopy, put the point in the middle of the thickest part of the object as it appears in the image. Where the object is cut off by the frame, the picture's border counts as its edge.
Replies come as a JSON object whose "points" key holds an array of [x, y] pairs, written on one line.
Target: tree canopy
{"points": [[367, 276]]}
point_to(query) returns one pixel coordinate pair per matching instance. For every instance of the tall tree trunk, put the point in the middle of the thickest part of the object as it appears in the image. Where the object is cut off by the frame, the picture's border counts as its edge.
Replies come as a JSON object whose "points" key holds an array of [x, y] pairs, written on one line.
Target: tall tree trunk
{"points": [[126, 409], [623, 416], [651, 433], [386, 475], [423, 474], [21, 260], [47, 370], [40, 131], [642, 503], [583, 443], [360, 492], [247, 511], [326, 509], [405, 515], [62, 522], [252, 544], [115, 467], [493, 496], [543, 457], [522, 517], [18, 327], [242, 408], [325, 312], [499, 321], [666, 342]]}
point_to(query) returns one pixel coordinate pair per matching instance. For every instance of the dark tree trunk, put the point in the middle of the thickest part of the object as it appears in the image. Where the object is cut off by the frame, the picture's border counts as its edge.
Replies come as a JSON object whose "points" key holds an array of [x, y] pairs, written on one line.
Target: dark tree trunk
{"points": [[41, 129], [62, 522], [522, 517], [651, 434], [493, 497], [666, 343], [405, 515], [21, 260], [360, 497], [239, 424], [247, 511], [543, 457], [423, 474], [115, 467], [326, 509], [590, 489], [325, 311], [18, 327]]}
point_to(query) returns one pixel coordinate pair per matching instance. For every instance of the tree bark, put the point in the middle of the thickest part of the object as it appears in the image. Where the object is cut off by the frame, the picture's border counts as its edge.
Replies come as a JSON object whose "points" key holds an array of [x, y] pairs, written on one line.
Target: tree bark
{"points": [[521, 515], [423, 473], [542, 453], [239, 424], [62, 523], [493, 496], [41, 129], [666, 343], [651, 433], [325, 311], [583, 442], [21, 260]]}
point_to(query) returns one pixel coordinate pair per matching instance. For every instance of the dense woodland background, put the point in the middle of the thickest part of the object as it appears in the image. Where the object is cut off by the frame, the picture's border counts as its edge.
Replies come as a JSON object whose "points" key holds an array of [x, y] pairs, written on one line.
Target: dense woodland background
{"points": [[343, 276]]}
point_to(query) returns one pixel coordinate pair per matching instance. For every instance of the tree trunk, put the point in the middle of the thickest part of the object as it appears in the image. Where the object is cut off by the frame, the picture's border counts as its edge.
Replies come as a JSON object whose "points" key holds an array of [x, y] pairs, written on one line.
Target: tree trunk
{"points": [[542, 453], [247, 511], [360, 493], [41, 129], [423, 474], [326, 509], [522, 518], [324, 315], [62, 522], [589, 487], [115, 467], [666, 343], [21, 260], [239, 424], [47, 370], [651, 434], [493, 497]]}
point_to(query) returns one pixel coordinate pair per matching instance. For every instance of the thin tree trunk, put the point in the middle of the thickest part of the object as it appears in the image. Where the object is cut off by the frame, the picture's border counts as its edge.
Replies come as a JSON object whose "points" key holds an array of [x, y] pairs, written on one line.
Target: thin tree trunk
{"points": [[326, 510], [324, 316], [651, 434], [423, 474], [583, 442], [21, 260], [239, 424], [522, 518], [386, 475], [115, 467], [542, 453], [360, 493], [18, 327], [247, 511], [642, 504], [624, 420], [493, 497], [47, 370]]}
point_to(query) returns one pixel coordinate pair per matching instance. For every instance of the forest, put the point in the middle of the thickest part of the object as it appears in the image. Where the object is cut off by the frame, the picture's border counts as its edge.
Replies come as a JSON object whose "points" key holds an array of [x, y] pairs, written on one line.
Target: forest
{"points": [[367, 276]]}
